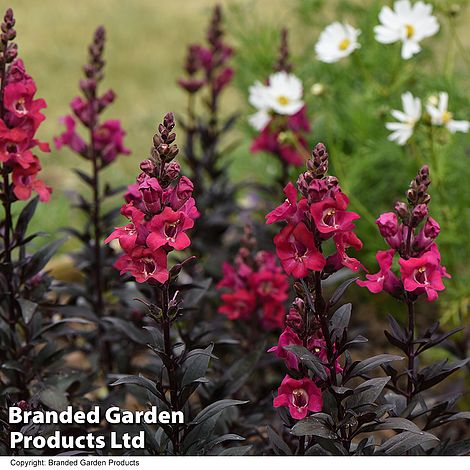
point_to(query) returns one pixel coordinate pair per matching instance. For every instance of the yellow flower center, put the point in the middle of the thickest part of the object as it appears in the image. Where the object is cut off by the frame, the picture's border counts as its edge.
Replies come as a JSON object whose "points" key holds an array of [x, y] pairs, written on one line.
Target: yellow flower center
{"points": [[283, 100], [344, 44], [409, 31], [422, 269], [446, 117]]}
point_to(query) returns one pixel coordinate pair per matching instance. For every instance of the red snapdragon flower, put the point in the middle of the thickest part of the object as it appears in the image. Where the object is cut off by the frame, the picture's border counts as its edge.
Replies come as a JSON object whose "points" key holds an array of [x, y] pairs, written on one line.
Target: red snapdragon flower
{"points": [[300, 396], [109, 140], [288, 338], [156, 228], [421, 271], [295, 247], [330, 215], [284, 137], [256, 286], [20, 122], [385, 279], [71, 138], [168, 228], [287, 209], [144, 264], [239, 304], [424, 274]]}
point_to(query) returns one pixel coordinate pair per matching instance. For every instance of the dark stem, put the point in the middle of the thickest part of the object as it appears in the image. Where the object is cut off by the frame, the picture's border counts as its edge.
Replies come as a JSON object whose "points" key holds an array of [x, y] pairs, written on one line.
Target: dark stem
{"points": [[410, 350], [301, 447], [321, 311], [166, 327], [98, 303]]}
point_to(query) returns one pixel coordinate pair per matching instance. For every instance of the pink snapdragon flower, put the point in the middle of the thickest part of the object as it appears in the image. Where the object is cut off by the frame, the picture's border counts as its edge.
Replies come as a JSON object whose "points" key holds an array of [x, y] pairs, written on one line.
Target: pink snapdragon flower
{"points": [[385, 279], [288, 338], [295, 247], [20, 122], [419, 259], [156, 228], [424, 274], [254, 287], [300, 396]]}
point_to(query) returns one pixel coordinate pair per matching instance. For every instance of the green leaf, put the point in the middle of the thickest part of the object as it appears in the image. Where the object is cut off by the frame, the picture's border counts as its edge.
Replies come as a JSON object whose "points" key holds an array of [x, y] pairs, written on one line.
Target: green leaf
{"points": [[129, 329]]}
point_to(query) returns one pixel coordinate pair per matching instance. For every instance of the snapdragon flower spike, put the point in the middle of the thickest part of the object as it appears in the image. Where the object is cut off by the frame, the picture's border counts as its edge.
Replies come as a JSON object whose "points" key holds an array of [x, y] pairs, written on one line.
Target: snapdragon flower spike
{"points": [[160, 209], [319, 214], [108, 136], [311, 247], [410, 233], [20, 119], [254, 287], [281, 117], [207, 66]]}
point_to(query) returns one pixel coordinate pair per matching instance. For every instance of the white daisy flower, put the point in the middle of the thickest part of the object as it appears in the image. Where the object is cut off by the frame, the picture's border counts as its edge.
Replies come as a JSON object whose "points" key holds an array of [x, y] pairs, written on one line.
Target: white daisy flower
{"points": [[337, 40], [407, 23], [284, 93], [260, 119], [407, 119], [440, 116]]}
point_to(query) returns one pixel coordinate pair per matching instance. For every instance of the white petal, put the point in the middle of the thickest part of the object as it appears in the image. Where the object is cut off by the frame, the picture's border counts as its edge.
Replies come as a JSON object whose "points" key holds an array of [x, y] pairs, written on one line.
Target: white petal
{"points": [[458, 126], [259, 120], [386, 35], [443, 101], [409, 49]]}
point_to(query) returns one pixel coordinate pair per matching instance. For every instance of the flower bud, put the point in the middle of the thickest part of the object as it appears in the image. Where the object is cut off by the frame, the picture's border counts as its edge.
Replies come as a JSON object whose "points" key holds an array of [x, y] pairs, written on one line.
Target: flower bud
{"points": [[420, 212]]}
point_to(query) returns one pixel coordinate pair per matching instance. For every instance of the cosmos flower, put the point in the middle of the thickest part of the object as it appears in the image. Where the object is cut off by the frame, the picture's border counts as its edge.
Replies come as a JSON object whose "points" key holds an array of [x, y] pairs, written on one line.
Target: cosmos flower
{"points": [[282, 95], [440, 116], [407, 23], [403, 130], [337, 40]]}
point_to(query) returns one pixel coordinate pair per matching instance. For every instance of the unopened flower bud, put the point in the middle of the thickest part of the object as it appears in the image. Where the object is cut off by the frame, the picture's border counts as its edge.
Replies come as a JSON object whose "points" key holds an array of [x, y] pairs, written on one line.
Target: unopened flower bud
{"points": [[172, 170], [402, 210]]}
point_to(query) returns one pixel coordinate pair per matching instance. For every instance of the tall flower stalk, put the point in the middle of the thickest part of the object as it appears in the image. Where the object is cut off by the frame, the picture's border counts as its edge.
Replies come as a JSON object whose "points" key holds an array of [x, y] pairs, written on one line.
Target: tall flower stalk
{"points": [[103, 143], [161, 210], [207, 75], [411, 233], [20, 117]]}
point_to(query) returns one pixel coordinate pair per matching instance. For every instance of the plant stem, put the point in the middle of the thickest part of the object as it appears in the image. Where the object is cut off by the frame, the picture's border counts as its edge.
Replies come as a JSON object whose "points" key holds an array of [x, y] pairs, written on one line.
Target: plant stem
{"points": [[301, 447], [321, 310], [166, 327], [98, 301], [410, 351]]}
